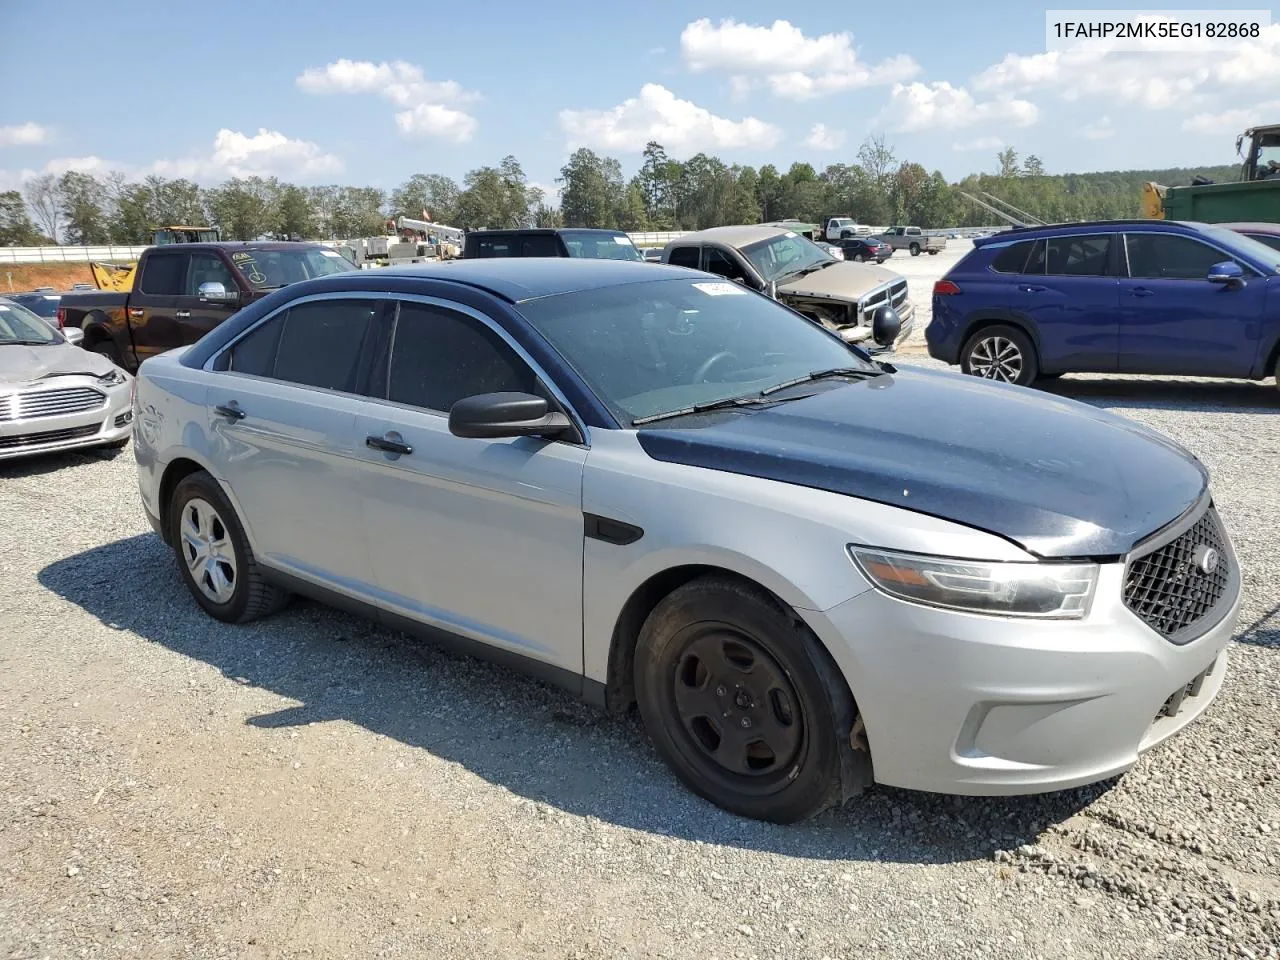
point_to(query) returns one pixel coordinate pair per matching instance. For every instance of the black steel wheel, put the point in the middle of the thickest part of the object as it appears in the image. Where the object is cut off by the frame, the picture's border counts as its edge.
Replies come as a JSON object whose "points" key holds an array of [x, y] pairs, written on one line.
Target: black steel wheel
{"points": [[730, 693]]}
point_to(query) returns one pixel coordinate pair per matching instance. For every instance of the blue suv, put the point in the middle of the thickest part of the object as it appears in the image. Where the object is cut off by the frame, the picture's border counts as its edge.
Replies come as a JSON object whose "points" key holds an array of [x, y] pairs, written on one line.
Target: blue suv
{"points": [[1114, 296]]}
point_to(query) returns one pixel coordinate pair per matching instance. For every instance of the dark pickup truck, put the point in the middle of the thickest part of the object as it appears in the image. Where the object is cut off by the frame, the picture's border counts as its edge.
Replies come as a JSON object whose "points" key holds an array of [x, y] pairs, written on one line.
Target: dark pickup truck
{"points": [[182, 291]]}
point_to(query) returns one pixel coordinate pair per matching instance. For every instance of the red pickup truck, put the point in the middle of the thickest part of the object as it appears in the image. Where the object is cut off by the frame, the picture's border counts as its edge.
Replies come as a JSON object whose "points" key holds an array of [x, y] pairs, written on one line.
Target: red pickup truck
{"points": [[182, 291]]}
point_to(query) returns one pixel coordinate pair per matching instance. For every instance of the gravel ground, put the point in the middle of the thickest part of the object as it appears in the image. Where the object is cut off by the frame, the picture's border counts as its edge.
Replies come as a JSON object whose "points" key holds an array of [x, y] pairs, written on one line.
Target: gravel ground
{"points": [[313, 786]]}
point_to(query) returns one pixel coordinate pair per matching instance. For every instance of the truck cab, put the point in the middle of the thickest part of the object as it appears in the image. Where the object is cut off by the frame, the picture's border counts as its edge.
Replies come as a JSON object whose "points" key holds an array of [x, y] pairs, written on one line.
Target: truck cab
{"points": [[182, 291]]}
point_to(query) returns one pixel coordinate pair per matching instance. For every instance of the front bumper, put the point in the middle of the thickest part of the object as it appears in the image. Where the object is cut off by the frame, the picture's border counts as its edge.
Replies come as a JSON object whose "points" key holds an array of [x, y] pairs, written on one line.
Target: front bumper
{"points": [[110, 422], [861, 335], [966, 704]]}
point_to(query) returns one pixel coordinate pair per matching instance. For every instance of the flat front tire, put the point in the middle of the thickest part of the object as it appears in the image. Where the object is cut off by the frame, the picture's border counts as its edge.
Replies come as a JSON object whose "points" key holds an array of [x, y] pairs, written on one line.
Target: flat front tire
{"points": [[214, 558], [728, 687], [1000, 353]]}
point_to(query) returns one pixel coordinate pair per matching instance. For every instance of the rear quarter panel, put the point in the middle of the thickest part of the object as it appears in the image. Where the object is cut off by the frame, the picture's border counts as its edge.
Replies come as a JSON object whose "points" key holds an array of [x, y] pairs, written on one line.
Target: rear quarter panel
{"points": [[171, 424]]}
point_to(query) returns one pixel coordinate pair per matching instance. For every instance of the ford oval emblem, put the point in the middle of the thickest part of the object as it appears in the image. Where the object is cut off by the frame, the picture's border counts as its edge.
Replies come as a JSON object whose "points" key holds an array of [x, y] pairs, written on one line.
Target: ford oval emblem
{"points": [[1206, 559]]}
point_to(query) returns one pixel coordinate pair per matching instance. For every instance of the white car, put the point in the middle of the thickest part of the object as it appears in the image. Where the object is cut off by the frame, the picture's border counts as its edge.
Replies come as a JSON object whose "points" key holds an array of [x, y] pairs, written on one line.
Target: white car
{"points": [[658, 487], [53, 395]]}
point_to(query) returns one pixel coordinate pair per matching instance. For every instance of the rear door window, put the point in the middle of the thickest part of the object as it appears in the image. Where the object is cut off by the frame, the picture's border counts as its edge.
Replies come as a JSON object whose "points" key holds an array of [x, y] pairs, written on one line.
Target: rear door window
{"points": [[1013, 259], [540, 245], [1086, 256], [495, 247], [322, 343], [163, 275], [684, 257]]}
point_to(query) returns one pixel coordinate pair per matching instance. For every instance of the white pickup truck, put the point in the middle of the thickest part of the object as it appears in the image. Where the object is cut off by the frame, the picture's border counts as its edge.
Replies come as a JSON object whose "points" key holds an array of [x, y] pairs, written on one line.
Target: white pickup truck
{"points": [[912, 239], [836, 229]]}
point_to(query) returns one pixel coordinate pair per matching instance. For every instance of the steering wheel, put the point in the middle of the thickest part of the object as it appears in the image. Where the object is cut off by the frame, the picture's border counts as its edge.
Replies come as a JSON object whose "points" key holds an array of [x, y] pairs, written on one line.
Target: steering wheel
{"points": [[701, 375]]}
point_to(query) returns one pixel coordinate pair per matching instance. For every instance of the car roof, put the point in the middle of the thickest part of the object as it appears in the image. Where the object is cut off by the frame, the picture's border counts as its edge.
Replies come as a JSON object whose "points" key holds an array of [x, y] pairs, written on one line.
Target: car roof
{"points": [[546, 231], [1111, 226], [1272, 229], [240, 245], [518, 279], [735, 236]]}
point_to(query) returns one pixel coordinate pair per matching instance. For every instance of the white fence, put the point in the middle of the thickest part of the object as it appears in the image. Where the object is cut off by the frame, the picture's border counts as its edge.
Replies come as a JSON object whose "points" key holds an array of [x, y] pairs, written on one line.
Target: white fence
{"points": [[69, 254]]}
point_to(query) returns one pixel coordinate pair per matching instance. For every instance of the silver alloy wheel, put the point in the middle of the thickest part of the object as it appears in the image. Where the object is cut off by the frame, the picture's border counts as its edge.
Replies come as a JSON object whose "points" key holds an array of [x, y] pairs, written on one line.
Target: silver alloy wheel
{"points": [[996, 358], [206, 546]]}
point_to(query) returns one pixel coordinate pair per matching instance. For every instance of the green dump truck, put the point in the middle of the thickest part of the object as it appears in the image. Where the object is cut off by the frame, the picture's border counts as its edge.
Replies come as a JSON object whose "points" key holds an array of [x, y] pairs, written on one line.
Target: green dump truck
{"points": [[1254, 197]]}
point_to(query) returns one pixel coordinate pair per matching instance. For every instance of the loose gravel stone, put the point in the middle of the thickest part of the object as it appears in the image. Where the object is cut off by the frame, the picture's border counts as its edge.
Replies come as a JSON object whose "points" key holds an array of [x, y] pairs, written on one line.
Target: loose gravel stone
{"points": [[313, 785]]}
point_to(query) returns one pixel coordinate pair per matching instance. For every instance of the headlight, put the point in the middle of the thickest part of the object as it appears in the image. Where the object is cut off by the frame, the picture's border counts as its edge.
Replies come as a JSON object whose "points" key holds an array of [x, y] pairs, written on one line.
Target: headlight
{"points": [[112, 379], [1056, 591]]}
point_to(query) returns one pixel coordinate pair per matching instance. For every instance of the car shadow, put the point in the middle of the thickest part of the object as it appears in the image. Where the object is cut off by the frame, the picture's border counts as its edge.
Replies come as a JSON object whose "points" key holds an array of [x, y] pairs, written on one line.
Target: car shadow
{"points": [[40, 464], [527, 737], [1167, 393]]}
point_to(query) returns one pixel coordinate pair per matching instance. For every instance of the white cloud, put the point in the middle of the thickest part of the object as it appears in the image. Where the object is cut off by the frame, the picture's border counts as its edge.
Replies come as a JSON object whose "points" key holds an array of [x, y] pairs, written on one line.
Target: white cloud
{"points": [[23, 135], [940, 106], [792, 65], [436, 120], [981, 143], [14, 179], [1151, 78], [265, 154], [822, 137], [1102, 130], [428, 111], [1227, 122], [268, 153], [657, 114]]}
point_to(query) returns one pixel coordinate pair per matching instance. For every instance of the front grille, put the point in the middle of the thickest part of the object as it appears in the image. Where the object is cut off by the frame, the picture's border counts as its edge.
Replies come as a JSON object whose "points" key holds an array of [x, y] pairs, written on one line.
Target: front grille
{"points": [[48, 436], [1169, 589], [35, 404], [894, 294]]}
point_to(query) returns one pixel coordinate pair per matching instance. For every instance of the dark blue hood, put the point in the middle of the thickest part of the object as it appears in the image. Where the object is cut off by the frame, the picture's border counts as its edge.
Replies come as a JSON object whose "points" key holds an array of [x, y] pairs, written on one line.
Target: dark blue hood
{"points": [[1057, 477]]}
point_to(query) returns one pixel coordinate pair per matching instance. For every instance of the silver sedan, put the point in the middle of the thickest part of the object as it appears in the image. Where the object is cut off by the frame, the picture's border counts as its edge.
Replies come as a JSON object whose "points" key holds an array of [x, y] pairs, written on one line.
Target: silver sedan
{"points": [[53, 395]]}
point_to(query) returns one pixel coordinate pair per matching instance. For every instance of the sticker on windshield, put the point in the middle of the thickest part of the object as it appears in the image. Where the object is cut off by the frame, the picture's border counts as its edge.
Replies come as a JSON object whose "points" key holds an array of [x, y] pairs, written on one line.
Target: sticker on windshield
{"points": [[625, 241], [790, 233], [241, 257], [721, 289], [330, 253]]}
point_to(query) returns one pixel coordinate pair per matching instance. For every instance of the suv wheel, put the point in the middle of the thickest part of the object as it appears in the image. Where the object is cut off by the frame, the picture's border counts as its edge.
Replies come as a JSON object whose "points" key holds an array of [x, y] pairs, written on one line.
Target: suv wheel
{"points": [[728, 689], [1000, 353], [214, 558]]}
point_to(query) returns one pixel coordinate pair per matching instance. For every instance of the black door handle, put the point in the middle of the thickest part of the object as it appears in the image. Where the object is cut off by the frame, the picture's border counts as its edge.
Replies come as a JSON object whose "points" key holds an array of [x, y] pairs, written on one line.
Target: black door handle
{"points": [[227, 410], [388, 446]]}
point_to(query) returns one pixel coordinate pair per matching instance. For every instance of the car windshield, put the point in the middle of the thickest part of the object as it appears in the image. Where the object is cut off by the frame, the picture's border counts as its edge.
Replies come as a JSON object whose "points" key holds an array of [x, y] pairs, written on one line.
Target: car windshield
{"points": [[20, 325], [593, 245], [785, 254], [664, 345], [1254, 249], [268, 269]]}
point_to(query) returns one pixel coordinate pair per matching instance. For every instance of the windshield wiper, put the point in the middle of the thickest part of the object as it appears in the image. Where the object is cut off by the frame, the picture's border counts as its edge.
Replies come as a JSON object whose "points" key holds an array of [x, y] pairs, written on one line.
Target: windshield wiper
{"points": [[750, 399], [26, 343], [858, 372]]}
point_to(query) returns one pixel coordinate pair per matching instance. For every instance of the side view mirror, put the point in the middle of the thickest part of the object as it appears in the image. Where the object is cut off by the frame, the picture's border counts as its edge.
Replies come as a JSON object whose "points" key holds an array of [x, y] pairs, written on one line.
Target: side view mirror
{"points": [[215, 292], [1229, 273], [491, 416], [73, 335], [886, 325]]}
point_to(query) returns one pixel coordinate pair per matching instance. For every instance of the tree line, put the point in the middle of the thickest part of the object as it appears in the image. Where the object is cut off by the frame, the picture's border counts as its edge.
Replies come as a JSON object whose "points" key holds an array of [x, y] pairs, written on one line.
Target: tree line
{"points": [[875, 187]]}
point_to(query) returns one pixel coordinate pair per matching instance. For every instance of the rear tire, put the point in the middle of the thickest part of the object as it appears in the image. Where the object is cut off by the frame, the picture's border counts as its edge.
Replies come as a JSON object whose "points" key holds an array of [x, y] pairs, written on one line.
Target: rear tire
{"points": [[915, 249], [727, 686], [214, 558], [933, 253], [1001, 353]]}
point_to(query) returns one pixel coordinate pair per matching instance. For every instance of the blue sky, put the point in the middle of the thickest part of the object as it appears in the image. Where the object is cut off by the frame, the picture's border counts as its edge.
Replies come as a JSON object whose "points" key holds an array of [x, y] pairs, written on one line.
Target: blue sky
{"points": [[368, 94]]}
